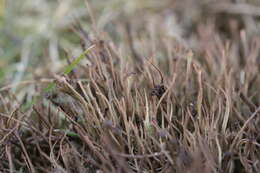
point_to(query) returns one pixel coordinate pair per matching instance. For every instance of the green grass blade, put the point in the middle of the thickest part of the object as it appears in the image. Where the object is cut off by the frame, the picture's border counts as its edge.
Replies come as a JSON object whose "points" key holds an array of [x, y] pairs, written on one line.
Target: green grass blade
{"points": [[70, 67], [75, 62]]}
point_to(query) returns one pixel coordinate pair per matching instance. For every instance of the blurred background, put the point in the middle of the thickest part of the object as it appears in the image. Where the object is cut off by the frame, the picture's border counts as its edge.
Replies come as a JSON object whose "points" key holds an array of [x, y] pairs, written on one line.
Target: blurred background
{"points": [[37, 35]]}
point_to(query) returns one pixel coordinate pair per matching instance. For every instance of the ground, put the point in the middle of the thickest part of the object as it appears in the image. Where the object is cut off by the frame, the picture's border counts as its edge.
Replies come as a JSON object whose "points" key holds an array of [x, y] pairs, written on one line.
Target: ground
{"points": [[130, 86]]}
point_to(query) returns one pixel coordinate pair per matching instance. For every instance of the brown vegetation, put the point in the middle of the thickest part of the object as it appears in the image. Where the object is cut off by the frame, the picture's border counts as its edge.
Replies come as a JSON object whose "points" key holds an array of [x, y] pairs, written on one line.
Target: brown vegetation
{"points": [[147, 103]]}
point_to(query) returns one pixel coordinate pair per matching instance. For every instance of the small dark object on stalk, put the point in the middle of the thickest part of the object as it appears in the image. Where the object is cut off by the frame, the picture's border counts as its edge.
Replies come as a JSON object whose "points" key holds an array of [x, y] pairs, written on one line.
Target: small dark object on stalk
{"points": [[160, 89]]}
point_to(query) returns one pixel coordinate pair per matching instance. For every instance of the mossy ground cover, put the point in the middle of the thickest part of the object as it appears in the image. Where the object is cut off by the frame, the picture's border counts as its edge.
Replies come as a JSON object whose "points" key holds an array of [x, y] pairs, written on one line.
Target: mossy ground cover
{"points": [[133, 87]]}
